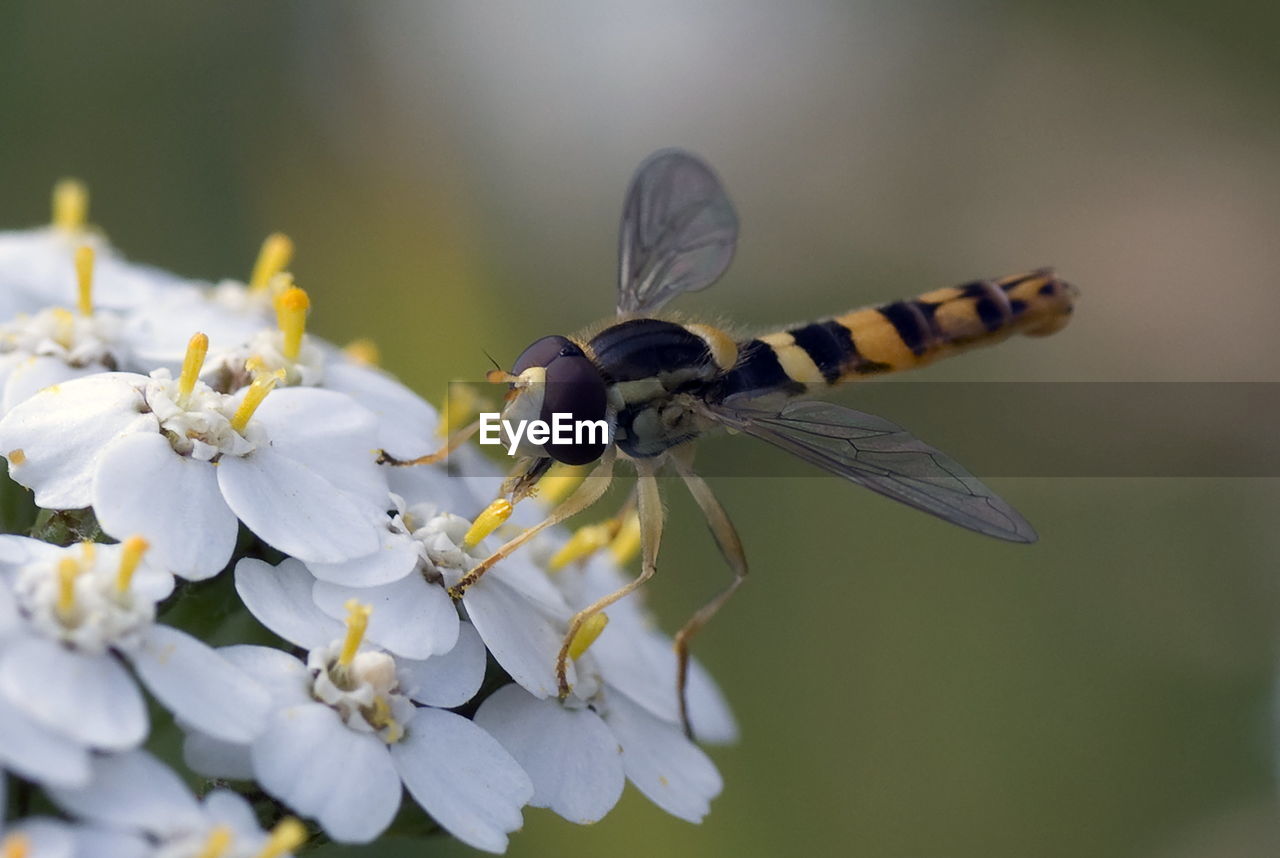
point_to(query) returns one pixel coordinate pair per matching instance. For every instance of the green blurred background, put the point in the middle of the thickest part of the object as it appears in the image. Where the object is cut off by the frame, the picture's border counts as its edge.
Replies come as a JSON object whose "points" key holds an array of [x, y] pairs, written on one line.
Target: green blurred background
{"points": [[452, 174]]}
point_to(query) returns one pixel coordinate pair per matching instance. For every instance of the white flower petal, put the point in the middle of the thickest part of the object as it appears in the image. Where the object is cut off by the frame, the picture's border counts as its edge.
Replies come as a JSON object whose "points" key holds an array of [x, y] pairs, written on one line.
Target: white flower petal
{"points": [[406, 422], [310, 760], [519, 633], [280, 598], [447, 680], [199, 686], [38, 372], [434, 484], [104, 843], [570, 755], [463, 777], [215, 758], [63, 430], [395, 559], [37, 753], [90, 698], [46, 838], [411, 617], [231, 809], [294, 509], [664, 765], [9, 624], [133, 790], [332, 436], [144, 487], [283, 675]]}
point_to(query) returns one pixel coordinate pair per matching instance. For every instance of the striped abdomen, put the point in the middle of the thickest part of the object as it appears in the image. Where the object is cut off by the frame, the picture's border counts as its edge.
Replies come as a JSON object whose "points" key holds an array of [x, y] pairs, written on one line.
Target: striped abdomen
{"points": [[902, 335]]}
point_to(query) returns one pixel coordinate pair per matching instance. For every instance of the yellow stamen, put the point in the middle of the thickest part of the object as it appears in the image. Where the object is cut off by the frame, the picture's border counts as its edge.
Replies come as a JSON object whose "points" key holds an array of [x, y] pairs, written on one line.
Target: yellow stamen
{"points": [[381, 719], [460, 405], [262, 385], [291, 316], [70, 205], [363, 351], [134, 548], [560, 482], [626, 545], [287, 836], [68, 570], [192, 363], [586, 540], [15, 846], [487, 522], [88, 552], [65, 326], [84, 279], [217, 843], [357, 623], [276, 253], [17, 457], [587, 634]]}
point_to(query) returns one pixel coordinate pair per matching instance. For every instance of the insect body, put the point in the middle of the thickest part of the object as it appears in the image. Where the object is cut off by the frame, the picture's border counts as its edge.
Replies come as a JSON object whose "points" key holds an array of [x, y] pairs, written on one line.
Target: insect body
{"points": [[664, 384]]}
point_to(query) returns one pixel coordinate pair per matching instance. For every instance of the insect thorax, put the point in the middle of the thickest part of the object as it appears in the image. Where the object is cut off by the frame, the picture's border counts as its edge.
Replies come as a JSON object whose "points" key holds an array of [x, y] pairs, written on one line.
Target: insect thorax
{"points": [[655, 370]]}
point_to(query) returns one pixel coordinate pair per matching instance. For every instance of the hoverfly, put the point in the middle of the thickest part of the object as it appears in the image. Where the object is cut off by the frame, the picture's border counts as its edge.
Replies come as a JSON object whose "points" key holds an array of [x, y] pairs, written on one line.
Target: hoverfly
{"points": [[663, 384]]}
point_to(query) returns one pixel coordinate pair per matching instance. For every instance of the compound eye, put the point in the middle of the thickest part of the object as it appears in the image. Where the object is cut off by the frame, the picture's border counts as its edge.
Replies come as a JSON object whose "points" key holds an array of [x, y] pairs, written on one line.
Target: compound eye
{"points": [[542, 352], [574, 387]]}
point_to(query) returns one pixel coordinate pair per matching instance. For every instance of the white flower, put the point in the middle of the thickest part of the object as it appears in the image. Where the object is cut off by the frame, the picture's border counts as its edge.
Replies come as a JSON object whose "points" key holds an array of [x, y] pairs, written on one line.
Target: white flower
{"points": [[346, 733], [406, 423], [70, 619], [621, 719], [518, 612], [139, 808], [179, 463]]}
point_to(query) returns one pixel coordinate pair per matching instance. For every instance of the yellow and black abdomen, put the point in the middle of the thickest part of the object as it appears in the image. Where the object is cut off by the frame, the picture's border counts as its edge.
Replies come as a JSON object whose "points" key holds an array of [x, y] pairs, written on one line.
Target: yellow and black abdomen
{"points": [[901, 335]]}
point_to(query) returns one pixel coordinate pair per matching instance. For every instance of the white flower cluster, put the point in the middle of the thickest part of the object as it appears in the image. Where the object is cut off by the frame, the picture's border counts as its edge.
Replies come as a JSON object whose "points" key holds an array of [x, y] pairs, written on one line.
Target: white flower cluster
{"points": [[204, 431]]}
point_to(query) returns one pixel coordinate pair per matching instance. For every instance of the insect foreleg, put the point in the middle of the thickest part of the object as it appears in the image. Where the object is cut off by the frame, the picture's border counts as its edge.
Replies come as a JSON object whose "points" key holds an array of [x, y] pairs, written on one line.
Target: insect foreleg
{"points": [[730, 545], [587, 493], [453, 442], [649, 503]]}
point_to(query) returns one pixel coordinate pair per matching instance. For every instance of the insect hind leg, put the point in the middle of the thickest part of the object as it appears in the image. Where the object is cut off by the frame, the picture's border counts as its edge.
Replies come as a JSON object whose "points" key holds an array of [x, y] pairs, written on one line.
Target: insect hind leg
{"points": [[649, 506], [730, 545]]}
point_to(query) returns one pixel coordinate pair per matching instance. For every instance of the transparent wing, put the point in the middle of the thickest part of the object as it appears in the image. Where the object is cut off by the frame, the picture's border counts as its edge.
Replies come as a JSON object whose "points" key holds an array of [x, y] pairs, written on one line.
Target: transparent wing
{"points": [[880, 455], [678, 231]]}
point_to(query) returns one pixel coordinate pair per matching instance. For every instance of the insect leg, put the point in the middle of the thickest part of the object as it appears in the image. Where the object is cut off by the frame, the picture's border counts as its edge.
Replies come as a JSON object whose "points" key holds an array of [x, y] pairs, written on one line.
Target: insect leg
{"points": [[454, 441], [649, 502], [590, 490], [730, 546]]}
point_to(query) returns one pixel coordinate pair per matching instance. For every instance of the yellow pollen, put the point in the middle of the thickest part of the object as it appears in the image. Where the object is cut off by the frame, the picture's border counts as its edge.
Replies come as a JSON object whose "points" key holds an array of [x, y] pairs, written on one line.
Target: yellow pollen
{"points": [[363, 351], [626, 545], [460, 404], [287, 836], [15, 846], [291, 316], [68, 570], [84, 280], [262, 385], [487, 522], [17, 457], [276, 253], [587, 635], [70, 205], [64, 323], [134, 548], [217, 843], [357, 623], [586, 540], [560, 482], [192, 363]]}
